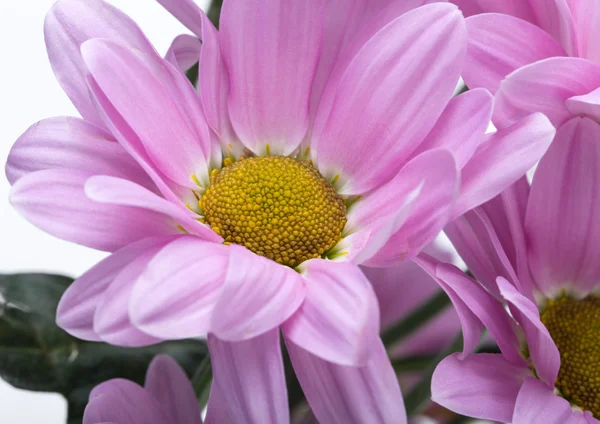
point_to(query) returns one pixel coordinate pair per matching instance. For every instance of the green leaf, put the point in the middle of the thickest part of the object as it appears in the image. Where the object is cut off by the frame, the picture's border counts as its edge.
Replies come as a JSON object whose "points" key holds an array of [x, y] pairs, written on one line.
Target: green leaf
{"points": [[202, 381], [37, 355], [214, 12], [416, 319], [420, 395]]}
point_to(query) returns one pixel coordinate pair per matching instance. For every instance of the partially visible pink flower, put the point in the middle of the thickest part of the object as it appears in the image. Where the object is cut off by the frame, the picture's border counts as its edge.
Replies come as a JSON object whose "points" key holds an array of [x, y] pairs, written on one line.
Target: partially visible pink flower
{"points": [[196, 193], [166, 398]]}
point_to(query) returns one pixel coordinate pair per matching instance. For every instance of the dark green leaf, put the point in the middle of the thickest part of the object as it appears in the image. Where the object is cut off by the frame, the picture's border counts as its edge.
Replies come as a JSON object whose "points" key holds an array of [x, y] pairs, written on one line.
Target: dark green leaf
{"points": [[192, 74], [35, 354], [409, 324], [411, 364], [202, 381], [214, 12]]}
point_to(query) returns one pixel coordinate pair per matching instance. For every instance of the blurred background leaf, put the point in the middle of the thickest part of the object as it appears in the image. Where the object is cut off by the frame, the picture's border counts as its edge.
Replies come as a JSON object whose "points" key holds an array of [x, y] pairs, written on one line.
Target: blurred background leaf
{"points": [[37, 355]]}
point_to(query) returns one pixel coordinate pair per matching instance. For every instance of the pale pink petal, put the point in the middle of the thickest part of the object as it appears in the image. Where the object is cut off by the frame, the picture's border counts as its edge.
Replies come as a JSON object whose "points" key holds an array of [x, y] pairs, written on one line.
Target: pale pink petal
{"points": [[544, 87], [537, 404], [488, 310], [188, 13], [554, 17], [586, 17], [175, 296], [561, 223], [387, 100], [170, 386], [71, 143], [54, 201], [117, 191], [122, 401], [518, 8], [586, 105], [471, 325], [249, 374], [111, 317], [158, 111], [184, 52], [436, 173], [258, 295], [480, 386], [350, 395], [71, 22], [78, 304], [339, 319], [502, 159], [216, 409], [496, 48], [461, 126], [543, 351], [271, 50]]}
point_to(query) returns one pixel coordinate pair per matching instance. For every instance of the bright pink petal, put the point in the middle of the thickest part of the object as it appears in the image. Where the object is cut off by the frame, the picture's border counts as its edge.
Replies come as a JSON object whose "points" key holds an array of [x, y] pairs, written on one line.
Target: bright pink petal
{"points": [[188, 13], [170, 386], [586, 105], [258, 295], [461, 126], [71, 143], [111, 318], [586, 17], [122, 401], [518, 8], [496, 48], [435, 171], [78, 304], [388, 100], [502, 159], [117, 191], [543, 351], [160, 108], [250, 377], [175, 296], [350, 395], [271, 50], [339, 319], [184, 52], [544, 87], [561, 224], [68, 24], [538, 404], [554, 17], [54, 201], [480, 386]]}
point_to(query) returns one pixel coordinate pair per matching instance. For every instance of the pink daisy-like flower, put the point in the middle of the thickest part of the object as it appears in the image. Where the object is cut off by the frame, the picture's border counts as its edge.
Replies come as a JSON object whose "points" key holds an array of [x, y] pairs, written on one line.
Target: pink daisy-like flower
{"points": [[216, 220], [166, 398]]}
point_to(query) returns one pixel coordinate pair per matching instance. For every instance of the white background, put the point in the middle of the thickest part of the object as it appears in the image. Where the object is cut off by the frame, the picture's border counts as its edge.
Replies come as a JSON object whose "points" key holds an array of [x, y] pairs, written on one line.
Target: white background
{"points": [[29, 93]]}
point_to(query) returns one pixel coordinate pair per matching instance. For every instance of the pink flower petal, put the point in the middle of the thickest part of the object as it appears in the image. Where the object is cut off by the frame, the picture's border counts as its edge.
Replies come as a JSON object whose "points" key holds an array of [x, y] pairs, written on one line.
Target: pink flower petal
{"points": [[54, 201], [586, 105], [462, 125], [175, 296], [188, 13], [543, 351], [502, 159], [271, 50], [258, 295], [184, 52], [544, 87], [537, 404], [216, 410], [436, 172], [249, 375], [388, 100], [71, 22], [122, 401], [554, 17], [164, 112], [518, 8], [116, 191], [170, 386], [481, 386], [586, 17], [561, 223], [78, 304], [350, 395], [71, 143], [339, 319], [496, 48]]}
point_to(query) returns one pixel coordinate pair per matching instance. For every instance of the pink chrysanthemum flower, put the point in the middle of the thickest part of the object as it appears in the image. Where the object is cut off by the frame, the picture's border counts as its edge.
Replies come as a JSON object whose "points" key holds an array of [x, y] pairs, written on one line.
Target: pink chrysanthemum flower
{"points": [[216, 219]]}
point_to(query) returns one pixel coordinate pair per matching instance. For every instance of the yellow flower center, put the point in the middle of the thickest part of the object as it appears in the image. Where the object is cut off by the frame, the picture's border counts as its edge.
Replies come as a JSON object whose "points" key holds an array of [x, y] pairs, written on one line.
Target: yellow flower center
{"points": [[276, 206], [575, 328]]}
